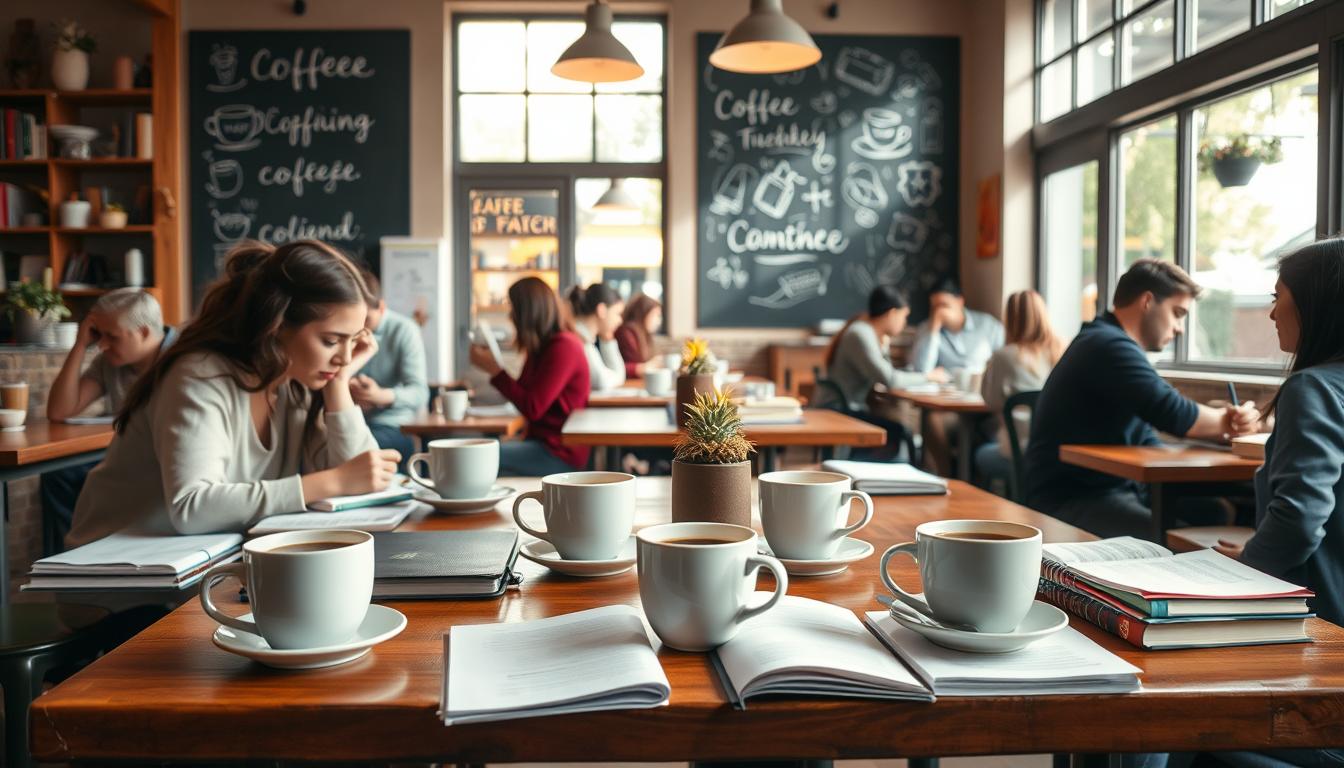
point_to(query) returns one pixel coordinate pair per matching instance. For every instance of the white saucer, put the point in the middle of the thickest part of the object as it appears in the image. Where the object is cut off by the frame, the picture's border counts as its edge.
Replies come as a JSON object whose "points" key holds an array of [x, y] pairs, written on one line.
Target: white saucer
{"points": [[543, 553], [380, 623], [850, 551], [465, 506], [19, 428], [1042, 620]]}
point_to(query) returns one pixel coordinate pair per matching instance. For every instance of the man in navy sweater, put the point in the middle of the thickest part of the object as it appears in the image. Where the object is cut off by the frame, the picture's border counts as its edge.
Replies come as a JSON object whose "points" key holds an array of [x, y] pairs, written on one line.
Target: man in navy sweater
{"points": [[1104, 391]]}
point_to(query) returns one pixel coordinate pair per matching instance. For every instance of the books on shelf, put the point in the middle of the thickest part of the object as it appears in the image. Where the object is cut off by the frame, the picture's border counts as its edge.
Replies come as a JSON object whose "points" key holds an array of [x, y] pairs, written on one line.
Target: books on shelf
{"points": [[128, 561], [589, 661], [431, 564], [22, 135], [1250, 446], [888, 479], [810, 648], [384, 517], [16, 200], [771, 410]]}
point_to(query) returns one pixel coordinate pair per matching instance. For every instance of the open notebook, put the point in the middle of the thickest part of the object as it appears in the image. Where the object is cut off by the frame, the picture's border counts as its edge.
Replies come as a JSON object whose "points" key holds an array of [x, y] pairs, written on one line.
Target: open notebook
{"points": [[135, 561]]}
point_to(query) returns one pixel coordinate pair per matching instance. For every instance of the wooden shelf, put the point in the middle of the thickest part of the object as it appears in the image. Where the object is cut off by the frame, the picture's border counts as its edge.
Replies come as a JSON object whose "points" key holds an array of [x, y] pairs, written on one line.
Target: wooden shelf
{"points": [[93, 97], [22, 163], [24, 94], [129, 229], [104, 163], [24, 230], [80, 293]]}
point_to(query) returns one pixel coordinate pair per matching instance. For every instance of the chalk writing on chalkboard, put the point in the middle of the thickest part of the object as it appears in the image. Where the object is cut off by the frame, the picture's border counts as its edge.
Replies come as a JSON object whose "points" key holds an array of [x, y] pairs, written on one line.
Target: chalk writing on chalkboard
{"points": [[297, 135], [816, 185]]}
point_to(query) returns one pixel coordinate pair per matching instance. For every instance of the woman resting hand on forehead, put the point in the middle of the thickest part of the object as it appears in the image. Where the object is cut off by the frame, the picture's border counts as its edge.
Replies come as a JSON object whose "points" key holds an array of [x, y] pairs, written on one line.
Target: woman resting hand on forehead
{"points": [[249, 414]]}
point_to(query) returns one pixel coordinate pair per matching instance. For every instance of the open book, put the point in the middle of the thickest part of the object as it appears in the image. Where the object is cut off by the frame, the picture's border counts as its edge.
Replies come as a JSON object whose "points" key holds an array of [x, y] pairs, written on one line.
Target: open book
{"points": [[888, 479], [810, 648], [135, 561], [380, 518], [587, 661], [1066, 662]]}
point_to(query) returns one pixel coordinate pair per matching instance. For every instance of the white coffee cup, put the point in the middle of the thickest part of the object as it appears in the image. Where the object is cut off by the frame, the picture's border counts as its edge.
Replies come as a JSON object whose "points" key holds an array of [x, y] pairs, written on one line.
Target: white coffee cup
{"points": [[981, 573], [589, 515], [459, 468], [695, 594], [454, 404], [658, 381], [804, 513], [673, 362], [307, 589]]}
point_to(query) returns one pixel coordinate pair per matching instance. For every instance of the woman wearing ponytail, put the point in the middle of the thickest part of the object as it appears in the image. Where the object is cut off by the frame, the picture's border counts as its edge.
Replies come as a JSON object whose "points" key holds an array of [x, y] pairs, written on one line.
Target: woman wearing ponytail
{"points": [[597, 315], [249, 414]]}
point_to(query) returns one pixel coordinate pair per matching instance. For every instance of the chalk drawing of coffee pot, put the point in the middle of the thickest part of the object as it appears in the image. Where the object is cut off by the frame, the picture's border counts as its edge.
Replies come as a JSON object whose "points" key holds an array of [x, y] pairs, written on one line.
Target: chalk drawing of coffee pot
{"points": [[774, 194], [731, 192], [224, 58], [232, 227]]}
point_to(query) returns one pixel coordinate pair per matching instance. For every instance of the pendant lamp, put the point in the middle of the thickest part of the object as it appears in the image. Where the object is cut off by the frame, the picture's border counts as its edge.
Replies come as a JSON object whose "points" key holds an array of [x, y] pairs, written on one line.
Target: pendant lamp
{"points": [[597, 56], [616, 198], [764, 42]]}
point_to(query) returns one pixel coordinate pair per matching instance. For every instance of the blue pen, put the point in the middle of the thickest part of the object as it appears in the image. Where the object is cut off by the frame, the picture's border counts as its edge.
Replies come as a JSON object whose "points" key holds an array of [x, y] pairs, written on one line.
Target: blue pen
{"points": [[1232, 394]]}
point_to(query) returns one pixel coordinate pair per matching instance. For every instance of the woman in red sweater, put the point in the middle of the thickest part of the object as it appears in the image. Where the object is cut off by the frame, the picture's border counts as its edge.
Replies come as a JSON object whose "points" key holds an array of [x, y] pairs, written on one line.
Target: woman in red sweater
{"points": [[552, 384], [634, 338]]}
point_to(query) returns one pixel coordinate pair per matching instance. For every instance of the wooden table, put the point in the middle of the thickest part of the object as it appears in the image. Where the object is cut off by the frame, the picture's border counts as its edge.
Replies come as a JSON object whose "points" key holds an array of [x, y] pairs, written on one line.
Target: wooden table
{"points": [[169, 694], [42, 446], [1160, 466], [967, 409], [428, 426], [615, 428], [632, 394]]}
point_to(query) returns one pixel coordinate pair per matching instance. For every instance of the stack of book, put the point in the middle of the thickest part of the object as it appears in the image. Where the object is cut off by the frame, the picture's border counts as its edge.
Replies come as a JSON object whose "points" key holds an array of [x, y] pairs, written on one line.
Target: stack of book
{"points": [[1154, 599], [22, 136], [771, 410], [888, 479], [1250, 446], [133, 562], [16, 200]]}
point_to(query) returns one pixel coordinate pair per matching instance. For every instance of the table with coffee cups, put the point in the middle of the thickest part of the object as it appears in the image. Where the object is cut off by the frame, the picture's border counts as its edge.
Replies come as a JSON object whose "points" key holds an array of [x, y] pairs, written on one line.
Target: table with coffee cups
{"points": [[962, 563], [963, 399], [658, 387]]}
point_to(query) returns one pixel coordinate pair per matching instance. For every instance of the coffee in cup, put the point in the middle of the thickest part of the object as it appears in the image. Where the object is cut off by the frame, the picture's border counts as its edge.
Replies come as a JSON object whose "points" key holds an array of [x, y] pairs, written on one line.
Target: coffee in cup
{"points": [[695, 581], [979, 573], [659, 381], [589, 515], [14, 396], [307, 589], [459, 468], [805, 514]]}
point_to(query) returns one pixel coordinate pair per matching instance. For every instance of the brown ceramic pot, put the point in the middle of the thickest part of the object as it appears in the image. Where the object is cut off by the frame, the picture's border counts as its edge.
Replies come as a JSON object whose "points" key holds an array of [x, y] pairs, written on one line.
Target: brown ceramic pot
{"points": [[711, 493], [688, 386]]}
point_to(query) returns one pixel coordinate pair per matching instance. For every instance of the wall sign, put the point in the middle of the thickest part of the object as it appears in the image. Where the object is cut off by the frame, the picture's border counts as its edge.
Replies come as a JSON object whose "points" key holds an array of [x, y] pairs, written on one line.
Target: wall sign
{"points": [[814, 186], [297, 134], [511, 214]]}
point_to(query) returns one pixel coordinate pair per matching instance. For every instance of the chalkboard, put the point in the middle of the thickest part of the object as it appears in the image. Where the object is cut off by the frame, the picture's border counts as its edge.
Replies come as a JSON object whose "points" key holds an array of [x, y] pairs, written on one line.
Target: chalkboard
{"points": [[816, 185], [297, 134]]}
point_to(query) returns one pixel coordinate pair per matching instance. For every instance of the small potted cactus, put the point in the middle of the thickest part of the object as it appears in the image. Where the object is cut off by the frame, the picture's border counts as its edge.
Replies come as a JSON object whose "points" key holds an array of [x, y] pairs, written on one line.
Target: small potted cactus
{"points": [[695, 377], [711, 466]]}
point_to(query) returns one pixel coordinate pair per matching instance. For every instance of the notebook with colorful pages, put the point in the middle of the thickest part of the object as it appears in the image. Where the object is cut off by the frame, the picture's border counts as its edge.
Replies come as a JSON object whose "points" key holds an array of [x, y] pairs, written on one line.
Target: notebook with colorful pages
{"points": [[589, 661], [888, 479]]}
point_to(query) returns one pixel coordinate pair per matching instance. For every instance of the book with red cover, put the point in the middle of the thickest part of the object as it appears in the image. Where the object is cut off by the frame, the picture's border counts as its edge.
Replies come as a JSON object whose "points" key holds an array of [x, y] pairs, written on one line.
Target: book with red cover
{"points": [[11, 116]]}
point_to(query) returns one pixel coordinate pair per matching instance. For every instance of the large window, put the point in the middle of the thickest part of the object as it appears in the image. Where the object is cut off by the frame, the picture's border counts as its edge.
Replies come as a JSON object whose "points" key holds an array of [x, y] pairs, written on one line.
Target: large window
{"points": [[1069, 246], [1148, 192]]}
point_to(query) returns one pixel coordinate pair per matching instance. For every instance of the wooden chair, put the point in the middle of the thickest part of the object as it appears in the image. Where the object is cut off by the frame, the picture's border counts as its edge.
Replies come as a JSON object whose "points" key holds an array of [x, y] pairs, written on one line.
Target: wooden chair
{"points": [[1204, 537], [35, 639], [1018, 481]]}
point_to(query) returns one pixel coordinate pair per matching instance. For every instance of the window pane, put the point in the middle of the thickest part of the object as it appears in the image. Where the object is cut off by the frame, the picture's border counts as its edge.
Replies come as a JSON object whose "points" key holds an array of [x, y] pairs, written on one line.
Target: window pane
{"points": [[1248, 213], [1093, 16], [623, 249], [1056, 89], [1056, 25], [1070, 247], [546, 40], [645, 41], [1094, 68], [1279, 7], [1218, 20], [490, 56], [1148, 41], [629, 129], [491, 128], [559, 128], [1148, 195]]}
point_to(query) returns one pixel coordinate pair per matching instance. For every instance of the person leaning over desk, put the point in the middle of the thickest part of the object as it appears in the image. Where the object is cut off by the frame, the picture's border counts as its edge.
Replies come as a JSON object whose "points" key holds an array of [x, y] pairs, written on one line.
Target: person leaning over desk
{"points": [[392, 386], [249, 414]]}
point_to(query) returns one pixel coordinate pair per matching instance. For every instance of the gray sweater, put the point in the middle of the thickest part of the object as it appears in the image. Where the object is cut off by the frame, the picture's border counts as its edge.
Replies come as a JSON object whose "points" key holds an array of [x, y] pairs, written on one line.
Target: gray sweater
{"points": [[400, 366], [1299, 492], [190, 460], [860, 362]]}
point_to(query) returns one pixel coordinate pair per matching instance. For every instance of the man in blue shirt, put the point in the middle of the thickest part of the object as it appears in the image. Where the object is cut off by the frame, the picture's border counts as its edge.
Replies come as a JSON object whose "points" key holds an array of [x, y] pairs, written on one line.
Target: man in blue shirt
{"points": [[392, 386], [1104, 391]]}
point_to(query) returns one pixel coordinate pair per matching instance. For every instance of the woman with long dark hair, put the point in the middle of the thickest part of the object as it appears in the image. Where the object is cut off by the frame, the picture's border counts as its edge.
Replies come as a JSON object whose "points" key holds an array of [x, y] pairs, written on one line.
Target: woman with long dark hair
{"points": [[553, 383], [643, 316], [249, 414], [597, 314]]}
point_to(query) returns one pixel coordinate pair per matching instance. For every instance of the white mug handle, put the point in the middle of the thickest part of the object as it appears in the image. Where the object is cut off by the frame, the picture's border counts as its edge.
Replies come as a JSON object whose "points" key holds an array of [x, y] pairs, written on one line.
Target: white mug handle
{"points": [[221, 572], [518, 518], [847, 499], [908, 548], [411, 465], [755, 563]]}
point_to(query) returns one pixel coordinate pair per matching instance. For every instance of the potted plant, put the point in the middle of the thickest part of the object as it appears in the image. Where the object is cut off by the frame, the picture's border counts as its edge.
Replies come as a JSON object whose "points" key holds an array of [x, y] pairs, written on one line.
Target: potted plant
{"points": [[711, 467], [1234, 160], [32, 308], [695, 377], [112, 217], [70, 62]]}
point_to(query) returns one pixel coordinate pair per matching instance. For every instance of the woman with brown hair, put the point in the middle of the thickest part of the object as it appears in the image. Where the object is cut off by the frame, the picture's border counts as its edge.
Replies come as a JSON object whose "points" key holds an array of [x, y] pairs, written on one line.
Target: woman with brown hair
{"points": [[553, 383], [643, 316], [249, 414]]}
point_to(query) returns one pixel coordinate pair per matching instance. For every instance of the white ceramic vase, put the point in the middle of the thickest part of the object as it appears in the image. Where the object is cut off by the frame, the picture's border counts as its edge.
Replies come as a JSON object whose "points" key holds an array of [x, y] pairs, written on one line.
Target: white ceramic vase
{"points": [[70, 70]]}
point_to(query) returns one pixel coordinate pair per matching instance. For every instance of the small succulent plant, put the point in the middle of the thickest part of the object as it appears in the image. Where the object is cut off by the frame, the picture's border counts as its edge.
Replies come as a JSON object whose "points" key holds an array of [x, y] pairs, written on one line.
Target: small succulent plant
{"points": [[696, 357], [713, 432]]}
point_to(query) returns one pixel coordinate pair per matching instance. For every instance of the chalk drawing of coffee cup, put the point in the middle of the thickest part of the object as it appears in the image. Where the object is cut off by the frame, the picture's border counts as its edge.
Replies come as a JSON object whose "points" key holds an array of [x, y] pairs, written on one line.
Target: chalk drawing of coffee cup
{"points": [[232, 227], [234, 127], [224, 58], [884, 136], [226, 178]]}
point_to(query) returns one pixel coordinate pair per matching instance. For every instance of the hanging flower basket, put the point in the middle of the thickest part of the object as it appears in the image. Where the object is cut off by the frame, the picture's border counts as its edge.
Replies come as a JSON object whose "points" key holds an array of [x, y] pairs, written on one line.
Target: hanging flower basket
{"points": [[1234, 160], [1235, 171]]}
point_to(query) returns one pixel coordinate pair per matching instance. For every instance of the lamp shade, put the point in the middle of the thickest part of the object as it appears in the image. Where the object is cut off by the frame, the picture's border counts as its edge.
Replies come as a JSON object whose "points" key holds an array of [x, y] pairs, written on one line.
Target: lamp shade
{"points": [[616, 198], [764, 42], [597, 56]]}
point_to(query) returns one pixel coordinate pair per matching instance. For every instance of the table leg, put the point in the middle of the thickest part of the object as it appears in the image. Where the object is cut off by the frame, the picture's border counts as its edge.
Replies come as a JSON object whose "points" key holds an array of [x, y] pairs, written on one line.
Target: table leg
{"points": [[1157, 502], [965, 459], [4, 545], [768, 458]]}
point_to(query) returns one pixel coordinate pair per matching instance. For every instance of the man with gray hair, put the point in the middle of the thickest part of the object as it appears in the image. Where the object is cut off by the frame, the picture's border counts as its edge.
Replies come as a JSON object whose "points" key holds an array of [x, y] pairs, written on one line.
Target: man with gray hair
{"points": [[127, 325]]}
